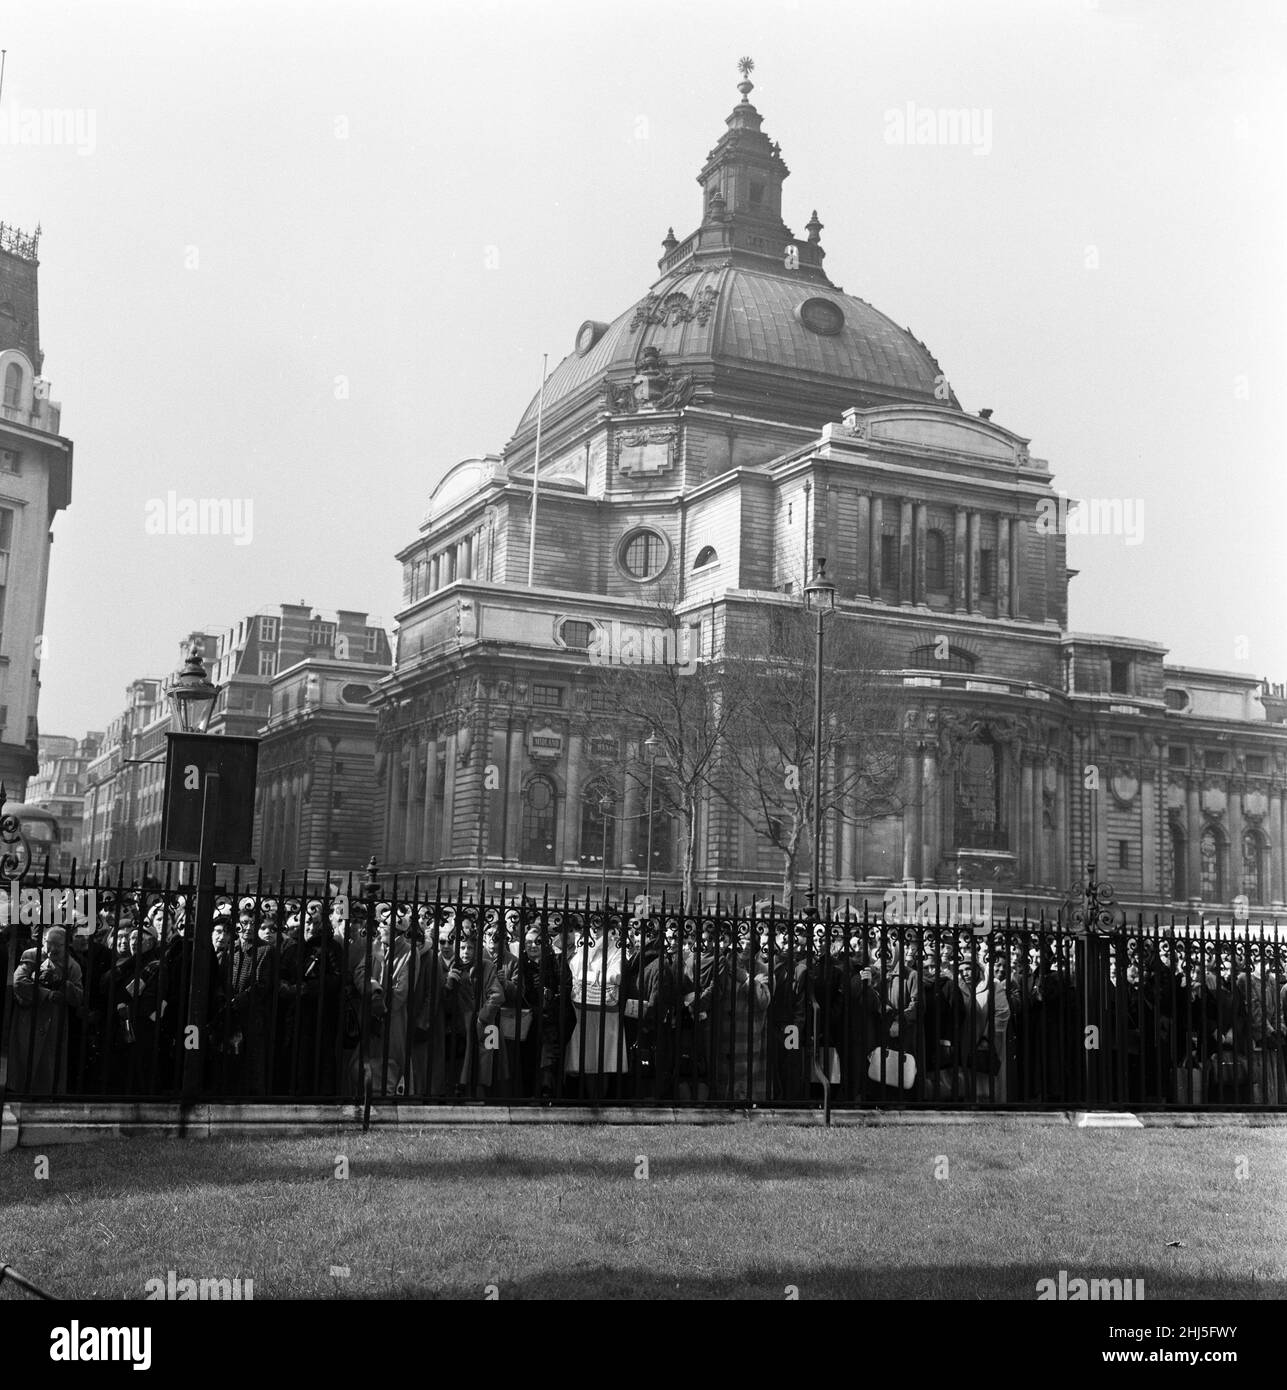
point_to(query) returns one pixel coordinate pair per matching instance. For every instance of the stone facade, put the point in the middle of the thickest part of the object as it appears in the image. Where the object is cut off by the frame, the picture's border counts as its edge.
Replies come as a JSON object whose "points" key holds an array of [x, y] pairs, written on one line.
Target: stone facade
{"points": [[706, 448]]}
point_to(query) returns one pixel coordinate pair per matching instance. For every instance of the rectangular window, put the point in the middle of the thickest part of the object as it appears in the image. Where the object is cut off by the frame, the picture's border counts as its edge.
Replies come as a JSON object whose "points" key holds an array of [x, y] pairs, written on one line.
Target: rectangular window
{"points": [[321, 634], [267, 663], [1123, 854], [1179, 757], [10, 461], [6, 530], [1119, 677], [268, 629], [547, 696], [888, 557], [601, 701], [1213, 760], [1255, 762], [987, 573], [337, 800], [1122, 744], [373, 640]]}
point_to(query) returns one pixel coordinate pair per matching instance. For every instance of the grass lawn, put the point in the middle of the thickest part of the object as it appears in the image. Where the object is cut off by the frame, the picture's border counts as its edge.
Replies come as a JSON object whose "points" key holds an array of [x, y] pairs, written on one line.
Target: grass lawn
{"points": [[557, 1212]]}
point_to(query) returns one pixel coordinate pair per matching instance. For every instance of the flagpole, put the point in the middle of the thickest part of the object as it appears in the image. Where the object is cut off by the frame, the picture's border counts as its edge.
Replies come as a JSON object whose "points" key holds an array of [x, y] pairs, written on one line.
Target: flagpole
{"points": [[536, 473]]}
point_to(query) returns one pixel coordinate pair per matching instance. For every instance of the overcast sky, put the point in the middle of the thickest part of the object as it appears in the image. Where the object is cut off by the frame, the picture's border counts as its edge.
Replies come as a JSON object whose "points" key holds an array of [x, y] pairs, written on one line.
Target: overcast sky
{"points": [[421, 199]]}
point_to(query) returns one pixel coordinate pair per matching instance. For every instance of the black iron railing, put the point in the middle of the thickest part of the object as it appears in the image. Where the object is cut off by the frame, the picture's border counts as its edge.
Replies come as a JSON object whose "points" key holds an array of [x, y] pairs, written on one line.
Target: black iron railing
{"points": [[389, 993]]}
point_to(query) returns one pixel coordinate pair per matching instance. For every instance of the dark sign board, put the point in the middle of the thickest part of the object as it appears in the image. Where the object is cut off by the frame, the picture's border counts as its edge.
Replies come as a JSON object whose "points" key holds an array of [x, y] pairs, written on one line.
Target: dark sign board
{"points": [[189, 761]]}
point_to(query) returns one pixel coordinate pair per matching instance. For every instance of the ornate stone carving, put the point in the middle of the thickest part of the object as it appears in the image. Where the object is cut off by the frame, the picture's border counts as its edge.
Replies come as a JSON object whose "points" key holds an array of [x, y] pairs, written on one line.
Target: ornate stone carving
{"points": [[653, 387], [675, 308], [648, 450], [1124, 785]]}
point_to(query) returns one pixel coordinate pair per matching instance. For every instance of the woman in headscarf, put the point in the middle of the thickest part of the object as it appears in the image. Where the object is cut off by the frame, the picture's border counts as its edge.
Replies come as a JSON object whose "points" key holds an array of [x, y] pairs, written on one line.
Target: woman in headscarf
{"points": [[46, 985], [596, 1047]]}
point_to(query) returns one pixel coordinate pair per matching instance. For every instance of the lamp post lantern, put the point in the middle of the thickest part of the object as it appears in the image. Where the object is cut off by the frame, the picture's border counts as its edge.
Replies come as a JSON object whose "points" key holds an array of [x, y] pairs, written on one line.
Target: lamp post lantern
{"points": [[192, 694], [819, 599], [653, 748]]}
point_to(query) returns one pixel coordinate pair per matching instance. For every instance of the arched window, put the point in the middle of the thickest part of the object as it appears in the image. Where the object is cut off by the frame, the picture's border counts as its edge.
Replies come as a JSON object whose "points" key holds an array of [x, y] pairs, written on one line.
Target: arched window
{"points": [[593, 824], [1212, 855], [980, 821], [1175, 862], [706, 556], [1253, 866], [935, 562], [540, 821], [13, 384]]}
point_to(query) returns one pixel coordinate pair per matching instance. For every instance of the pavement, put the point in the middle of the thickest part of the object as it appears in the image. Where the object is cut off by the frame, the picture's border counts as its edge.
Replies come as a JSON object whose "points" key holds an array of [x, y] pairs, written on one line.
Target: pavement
{"points": [[39, 1124]]}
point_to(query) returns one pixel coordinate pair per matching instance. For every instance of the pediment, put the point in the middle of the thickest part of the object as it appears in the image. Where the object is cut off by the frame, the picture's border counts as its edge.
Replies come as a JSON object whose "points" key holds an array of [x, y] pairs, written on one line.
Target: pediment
{"points": [[937, 430]]}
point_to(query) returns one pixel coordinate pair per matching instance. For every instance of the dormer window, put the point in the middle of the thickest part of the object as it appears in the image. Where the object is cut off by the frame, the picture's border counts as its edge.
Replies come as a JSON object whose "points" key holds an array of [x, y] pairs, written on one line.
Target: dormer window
{"points": [[13, 385]]}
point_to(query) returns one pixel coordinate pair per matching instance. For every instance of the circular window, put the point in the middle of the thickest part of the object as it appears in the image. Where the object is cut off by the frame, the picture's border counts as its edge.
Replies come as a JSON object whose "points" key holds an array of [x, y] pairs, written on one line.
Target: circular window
{"points": [[355, 694], [643, 554], [821, 316], [587, 335]]}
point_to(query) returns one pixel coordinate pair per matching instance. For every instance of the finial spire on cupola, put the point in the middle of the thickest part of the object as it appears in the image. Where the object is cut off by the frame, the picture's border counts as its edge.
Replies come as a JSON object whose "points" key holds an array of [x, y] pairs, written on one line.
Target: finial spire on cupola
{"points": [[741, 184]]}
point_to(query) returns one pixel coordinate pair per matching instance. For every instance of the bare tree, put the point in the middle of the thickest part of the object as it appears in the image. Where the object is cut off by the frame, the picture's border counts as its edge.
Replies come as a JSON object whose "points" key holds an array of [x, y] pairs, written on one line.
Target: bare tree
{"points": [[658, 682], [766, 771]]}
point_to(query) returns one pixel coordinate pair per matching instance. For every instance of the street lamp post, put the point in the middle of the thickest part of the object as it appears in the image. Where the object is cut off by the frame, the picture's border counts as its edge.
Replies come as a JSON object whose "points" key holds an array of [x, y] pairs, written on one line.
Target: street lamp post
{"points": [[605, 805], [652, 747], [192, 696], [819, 599]]}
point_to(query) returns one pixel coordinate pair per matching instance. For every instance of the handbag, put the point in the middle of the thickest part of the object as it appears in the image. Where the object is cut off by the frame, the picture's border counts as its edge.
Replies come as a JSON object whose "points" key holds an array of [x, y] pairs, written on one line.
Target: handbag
{"points": [[883, 1066], [515, 1022]]}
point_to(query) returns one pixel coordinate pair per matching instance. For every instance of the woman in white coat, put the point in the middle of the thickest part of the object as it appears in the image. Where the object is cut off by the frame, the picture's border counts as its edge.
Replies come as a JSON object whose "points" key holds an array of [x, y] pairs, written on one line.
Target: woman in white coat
{"points": [[988, 1027], [595, 1048]]}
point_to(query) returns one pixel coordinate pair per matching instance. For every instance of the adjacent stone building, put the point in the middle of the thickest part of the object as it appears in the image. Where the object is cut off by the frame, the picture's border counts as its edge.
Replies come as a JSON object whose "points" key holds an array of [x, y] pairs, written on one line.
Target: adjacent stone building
{"points": [[700, 452], [35, 485]]}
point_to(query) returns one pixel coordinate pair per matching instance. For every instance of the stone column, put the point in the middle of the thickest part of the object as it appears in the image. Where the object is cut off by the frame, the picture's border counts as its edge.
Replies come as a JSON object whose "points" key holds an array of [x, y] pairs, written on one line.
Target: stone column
{"points": [[1004, 524], [862, 565], [905, 554], [466, 561], [1193, 836], [1016, 547], [972, 523], [848, 770], [1026, 827], [570, 828], [1040, 845], [493, 797], [1276, 893], [449, 795], [931, 833], [514, 795], [1148, 832], [911, 815], [1233, 878], [412, 829], [918, 559], [960, 552], [1059, 830], [434, 572], [877, 525], [432, 754]]}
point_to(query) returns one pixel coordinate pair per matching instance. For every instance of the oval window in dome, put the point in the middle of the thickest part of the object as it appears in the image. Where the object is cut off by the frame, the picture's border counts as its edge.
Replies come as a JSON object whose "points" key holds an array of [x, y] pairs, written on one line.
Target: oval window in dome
{"points": [[588, 334], [353, 694], [821, 316]]}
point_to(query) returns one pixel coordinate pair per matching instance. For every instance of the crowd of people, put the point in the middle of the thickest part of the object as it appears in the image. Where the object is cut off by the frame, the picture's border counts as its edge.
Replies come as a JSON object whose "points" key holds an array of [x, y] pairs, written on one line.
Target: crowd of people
{"points": [[521, 1001]]}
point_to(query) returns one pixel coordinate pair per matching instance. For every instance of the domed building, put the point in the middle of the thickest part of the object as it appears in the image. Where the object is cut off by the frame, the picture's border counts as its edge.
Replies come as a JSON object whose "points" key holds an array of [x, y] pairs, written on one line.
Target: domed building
{"points": [[682, 473]]}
